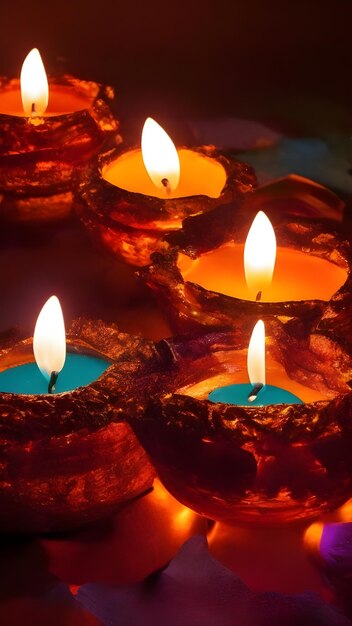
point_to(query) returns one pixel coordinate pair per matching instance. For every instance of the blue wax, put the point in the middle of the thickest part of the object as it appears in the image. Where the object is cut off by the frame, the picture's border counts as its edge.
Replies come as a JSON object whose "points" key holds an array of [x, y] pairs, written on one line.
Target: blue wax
{"points": [[79, 370], [238, 394]]}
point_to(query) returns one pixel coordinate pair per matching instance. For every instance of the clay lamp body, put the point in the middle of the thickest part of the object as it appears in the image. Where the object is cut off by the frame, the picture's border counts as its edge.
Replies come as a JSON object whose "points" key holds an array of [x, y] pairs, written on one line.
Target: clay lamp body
{"points": [[133, 199], [294, 273], [68, 457], [48, 133], [241, 461]]}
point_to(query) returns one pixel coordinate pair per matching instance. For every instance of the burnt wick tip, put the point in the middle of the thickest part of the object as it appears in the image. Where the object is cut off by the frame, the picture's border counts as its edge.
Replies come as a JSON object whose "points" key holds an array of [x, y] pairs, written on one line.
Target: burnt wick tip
{"points": [[52, 381], [254, 393], [258, 296]]}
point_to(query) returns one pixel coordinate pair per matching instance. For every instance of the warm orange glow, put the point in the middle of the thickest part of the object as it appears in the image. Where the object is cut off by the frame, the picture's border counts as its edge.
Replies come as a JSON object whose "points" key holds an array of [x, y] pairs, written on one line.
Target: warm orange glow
{"points": [[160, 156], [49, 340], [312, 536], [259, 255], [256, 355], [199, 175], [295, 278], [34, 85], [344, 514]]}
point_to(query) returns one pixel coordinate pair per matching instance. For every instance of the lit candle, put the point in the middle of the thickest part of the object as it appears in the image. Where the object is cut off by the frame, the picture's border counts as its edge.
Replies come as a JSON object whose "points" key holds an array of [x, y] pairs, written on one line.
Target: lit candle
{"points": [[157, 169], [160, 157], [259, 255], [32, 96], [34, 85], [246, 271], [53, 371], [256, 392]]}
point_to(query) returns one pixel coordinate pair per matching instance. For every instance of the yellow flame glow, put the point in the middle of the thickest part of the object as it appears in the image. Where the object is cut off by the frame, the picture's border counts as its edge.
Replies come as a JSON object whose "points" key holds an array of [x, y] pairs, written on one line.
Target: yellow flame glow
{"points": [[160, 156], [34, 85], [256, 355], [259, 254], [49, 340]]}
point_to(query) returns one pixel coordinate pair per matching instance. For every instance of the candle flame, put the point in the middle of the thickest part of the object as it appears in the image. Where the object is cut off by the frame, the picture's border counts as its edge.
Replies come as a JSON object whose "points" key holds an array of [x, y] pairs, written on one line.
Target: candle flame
{"points": [[49, 340], [160, 156], [259, 255], [256, 355], [34, 85]]}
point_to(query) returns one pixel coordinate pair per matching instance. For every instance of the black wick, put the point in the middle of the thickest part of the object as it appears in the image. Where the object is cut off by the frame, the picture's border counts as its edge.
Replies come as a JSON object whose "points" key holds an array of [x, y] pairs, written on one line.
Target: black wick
{"points": [[165, 182], [52, 382], [258, 296], [255, 391], [33, 108]]}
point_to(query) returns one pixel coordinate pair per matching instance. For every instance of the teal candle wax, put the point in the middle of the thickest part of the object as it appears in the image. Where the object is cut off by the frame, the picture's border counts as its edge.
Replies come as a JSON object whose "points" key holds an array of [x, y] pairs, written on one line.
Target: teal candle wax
{"points": [[238, 394], [79, 370]]}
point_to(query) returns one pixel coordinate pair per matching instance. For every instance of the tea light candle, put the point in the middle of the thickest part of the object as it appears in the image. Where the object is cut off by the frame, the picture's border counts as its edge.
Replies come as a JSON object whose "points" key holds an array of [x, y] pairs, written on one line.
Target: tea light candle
{"points": [[63, 99], [257, 271], [53, 370], [255, 393], [157, 169]]}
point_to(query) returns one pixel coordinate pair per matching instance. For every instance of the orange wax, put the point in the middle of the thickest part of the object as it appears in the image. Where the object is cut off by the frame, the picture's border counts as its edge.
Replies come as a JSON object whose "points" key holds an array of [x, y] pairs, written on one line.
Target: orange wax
{"points": [[62, 100], [297, 275], [236, 373], [200, 175]]}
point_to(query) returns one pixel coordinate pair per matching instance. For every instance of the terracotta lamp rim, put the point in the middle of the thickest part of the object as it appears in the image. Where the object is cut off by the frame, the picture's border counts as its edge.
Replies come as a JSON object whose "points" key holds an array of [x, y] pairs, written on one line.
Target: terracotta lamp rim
{"points": [[163, 205], [208, 151], [272, 418], [189, 307]]}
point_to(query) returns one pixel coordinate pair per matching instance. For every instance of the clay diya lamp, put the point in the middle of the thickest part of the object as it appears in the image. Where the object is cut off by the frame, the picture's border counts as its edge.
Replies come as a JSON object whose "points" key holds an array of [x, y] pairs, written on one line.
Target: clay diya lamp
{"points": [[48, 133], [68, 458], [296, 272], [133, 198], [240, 460]]}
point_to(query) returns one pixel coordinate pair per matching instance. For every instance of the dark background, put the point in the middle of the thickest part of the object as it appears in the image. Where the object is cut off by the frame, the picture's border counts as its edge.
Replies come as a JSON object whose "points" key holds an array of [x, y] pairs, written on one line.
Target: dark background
{"points": [[174, 59]]}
